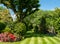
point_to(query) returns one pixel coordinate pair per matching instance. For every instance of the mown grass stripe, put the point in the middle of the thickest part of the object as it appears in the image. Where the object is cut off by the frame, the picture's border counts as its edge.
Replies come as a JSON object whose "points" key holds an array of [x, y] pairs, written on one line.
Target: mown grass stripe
{"points": [[25, 41], [35, 40], [57, 39], [52, 42], [39, 40], [28, 41], [32, 40], [47, 40], [43, 41], [52, 39]]}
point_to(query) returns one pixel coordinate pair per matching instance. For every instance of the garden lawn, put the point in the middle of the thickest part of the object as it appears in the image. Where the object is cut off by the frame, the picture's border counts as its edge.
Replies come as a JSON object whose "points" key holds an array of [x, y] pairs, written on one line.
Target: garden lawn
{"points": [[37, 40]]}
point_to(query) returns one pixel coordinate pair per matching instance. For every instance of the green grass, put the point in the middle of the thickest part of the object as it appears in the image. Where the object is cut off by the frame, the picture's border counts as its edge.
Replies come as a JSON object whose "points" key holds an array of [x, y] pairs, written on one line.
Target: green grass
{"points": [[37, 40]]}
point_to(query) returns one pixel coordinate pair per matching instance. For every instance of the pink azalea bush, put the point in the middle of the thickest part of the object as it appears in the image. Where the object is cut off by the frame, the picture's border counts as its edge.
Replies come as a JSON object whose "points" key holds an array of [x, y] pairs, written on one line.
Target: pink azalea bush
{"points": [[7, 37]]}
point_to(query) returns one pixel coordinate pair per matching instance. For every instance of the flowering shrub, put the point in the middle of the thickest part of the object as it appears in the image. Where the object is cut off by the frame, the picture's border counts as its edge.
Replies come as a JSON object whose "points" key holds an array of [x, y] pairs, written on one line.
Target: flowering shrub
{"points": [[12, 37], [7, 37]]}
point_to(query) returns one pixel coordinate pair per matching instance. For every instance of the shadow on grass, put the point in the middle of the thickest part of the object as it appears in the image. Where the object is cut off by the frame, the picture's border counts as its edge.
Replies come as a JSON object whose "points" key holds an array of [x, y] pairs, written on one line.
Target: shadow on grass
{"points": [[28, 35]]}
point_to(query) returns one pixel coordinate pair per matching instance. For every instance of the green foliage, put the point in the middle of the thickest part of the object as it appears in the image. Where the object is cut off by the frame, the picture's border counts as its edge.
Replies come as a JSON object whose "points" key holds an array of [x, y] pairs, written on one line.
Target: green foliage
{"points": [[7, 29], [19, 28], [43, 20], [11, 25], [53, 20], [35, 20]]}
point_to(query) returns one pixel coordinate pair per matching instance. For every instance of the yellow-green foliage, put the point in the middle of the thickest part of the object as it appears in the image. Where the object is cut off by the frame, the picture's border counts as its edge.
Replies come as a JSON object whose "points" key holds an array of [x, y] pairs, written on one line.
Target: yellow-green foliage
{"points": [[5, 15], [7, 29]]}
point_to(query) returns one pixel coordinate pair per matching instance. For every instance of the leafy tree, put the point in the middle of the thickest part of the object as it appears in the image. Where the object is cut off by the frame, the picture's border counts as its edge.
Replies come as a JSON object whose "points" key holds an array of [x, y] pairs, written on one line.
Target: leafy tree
{"points": [[57, 20], [52, 20], [22, 8], [34, 21], [44, 21]]}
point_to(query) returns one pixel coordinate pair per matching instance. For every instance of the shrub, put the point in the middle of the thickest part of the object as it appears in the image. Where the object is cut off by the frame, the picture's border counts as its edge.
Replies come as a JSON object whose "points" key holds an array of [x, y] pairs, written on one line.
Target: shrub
{"points": [[7, 37], [12, 37], [19, 28]]}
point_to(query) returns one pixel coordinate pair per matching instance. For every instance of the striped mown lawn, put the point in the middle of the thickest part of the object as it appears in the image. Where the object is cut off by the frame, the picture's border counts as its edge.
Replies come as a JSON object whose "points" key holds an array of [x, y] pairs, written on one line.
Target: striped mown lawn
{"points": [[37, 40]]}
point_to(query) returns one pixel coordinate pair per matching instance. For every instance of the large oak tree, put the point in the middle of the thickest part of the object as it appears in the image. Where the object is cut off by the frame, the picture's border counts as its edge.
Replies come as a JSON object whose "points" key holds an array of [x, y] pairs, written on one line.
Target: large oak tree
{"points": [[22, 8]]}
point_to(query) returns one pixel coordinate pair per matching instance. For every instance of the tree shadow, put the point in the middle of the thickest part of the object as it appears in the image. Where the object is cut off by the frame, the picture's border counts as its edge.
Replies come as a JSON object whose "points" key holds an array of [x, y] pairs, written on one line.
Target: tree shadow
{"points": [[29, 35]]}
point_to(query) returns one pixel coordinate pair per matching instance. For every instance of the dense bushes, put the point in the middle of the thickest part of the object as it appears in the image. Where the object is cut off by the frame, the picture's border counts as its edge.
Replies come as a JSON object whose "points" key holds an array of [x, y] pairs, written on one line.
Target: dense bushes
{"points": [[18, 29], [45, 21], [14, 27]]}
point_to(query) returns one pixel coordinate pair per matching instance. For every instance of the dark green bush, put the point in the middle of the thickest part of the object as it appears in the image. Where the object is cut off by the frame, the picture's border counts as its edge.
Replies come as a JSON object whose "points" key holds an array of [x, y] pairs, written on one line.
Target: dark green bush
{"points": [[43, 27], [2, 26]]}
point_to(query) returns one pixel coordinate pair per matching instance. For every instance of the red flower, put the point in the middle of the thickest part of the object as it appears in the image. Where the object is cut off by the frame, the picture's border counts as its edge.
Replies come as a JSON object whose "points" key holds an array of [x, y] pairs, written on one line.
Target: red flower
{"points": [[11, 36]]}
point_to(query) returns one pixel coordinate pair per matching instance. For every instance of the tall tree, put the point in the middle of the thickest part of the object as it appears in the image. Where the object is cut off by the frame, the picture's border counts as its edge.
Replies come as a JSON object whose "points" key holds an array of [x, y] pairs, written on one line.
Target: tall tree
{"points": [[22, 8]]}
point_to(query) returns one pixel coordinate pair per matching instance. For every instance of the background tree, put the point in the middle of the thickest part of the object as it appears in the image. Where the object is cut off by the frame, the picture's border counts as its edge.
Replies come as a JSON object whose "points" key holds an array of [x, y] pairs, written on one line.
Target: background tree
{"points": [[35, 21]]}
